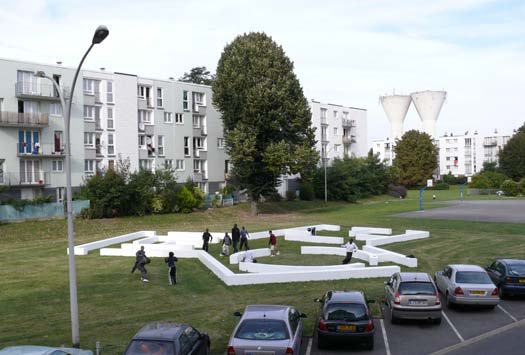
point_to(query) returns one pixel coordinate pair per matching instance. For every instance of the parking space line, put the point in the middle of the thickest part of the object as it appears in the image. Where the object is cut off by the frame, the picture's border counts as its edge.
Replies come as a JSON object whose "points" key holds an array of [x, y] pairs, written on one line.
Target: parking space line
{"points": [[452, 326], [309, 347], [385, 338], [507, 313]]}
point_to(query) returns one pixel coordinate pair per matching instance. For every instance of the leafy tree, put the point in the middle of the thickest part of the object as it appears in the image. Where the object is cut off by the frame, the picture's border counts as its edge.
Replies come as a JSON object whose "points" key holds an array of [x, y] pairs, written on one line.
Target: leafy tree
{"points": [[510, 188], [185, 199], [487, 180], [416, 158], [267, 120], [198, 75], [490, 166], [512, 156]]}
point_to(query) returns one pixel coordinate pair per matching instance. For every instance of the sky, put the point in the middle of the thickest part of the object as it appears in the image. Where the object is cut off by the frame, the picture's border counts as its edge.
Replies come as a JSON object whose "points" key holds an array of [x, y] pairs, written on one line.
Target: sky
{"points": [[344, 52]]}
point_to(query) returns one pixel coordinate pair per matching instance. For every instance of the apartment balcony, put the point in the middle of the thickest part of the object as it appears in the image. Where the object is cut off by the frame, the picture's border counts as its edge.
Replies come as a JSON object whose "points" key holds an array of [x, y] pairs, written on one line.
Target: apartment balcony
{"points": [[197, 176], [98, 125], [199, 131], [44, 150], [146, 128], [348, 123], [15, 119], [145, 103], [92, 98], [323, 121], [348, 140], [26, 179], [490, 142], [199, 108], [200, 153], [39, 91]]}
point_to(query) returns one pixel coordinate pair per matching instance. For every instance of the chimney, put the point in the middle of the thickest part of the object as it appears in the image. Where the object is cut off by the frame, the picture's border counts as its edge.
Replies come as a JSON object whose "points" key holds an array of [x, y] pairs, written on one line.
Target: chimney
{"points": [[102, 69], [59, 63]]}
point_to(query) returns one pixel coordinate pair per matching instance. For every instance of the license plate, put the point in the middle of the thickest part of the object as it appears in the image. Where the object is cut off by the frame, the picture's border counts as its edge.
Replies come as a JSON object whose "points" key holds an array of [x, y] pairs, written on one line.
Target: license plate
{"points": [[259, 353], [477, 293], [521, 281], [346, 328], [417, 303]]}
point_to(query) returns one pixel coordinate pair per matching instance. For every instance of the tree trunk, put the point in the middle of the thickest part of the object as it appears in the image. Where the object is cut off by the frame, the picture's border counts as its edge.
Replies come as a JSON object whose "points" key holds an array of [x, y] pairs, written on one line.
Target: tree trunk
{"points": [[254, 208]]}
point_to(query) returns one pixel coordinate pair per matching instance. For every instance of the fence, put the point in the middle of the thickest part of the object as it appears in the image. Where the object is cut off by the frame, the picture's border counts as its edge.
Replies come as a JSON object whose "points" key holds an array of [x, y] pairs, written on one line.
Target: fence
{"points": [[223, 200], [9, 213]]}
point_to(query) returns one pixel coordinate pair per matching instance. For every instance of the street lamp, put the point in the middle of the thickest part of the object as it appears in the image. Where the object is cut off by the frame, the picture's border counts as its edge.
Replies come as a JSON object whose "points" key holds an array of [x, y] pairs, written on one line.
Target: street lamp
{"points": [[100, 34]]}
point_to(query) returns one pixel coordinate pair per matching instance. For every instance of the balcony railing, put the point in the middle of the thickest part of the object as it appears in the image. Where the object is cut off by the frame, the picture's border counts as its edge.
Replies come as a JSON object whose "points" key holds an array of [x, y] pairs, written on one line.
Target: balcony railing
{"points": [[348, 140], [39, 90], [40, 150], [29, 178], [348, 123], [490, 142], [15, 119]]}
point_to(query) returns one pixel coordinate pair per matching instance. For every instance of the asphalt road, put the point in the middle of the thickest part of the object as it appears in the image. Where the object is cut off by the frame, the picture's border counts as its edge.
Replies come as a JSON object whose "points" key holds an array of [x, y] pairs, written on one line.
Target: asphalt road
{"points": [[462, 331], [482, 211]]}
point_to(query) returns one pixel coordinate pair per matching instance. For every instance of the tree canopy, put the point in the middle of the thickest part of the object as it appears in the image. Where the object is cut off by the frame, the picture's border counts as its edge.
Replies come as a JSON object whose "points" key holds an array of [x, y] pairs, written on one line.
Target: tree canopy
{"points": [[267, 119], [198, 75], [512, 156], [416, 158]]}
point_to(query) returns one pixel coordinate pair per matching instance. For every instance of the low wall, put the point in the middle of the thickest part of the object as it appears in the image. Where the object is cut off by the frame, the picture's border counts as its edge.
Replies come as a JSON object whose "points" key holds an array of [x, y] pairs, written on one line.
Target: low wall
{"points": [[305, 236], [408, 235], [369, 230], [260, 267], [84, 249], [192, 238], [282, 232], [257, 253], [45, 210], [390, 256], [359, 254]]}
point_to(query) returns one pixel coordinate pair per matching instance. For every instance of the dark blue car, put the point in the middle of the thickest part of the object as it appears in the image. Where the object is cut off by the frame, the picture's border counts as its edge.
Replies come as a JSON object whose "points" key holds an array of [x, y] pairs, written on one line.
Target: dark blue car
{"points": [[508, 275]]}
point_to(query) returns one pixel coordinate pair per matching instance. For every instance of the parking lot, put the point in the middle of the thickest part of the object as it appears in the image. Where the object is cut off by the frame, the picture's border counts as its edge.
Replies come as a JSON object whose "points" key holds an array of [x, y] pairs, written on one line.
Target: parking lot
{"points": [[462, 331]]}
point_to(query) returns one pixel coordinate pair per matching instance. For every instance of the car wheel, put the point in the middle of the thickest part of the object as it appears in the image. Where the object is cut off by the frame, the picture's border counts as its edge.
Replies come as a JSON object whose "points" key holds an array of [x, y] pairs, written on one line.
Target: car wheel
{"points": [[436, 321], [502, 294], [320, 342], [370, 344], [450, 304], [393, 318]]}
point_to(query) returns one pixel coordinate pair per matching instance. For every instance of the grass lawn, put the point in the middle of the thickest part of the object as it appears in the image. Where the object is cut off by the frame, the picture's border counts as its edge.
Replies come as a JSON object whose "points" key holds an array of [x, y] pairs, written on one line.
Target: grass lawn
{"points": [[114, 304]]}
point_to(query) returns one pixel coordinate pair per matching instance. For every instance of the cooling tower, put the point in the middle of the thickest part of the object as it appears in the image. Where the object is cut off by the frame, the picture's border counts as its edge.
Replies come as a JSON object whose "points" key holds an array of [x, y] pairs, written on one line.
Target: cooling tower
{"points": [[396, 107], [428, 105]]}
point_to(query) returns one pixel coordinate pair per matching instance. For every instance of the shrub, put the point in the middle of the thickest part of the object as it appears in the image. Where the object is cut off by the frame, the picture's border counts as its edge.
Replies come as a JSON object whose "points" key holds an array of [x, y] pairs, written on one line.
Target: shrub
{"points": [[440, 185], [487, 180], [306, 191], [454, 180], [290, 195], [199, 196], [227, 189], [397, 191], [185, 200], [510, 188], [521, 185]]}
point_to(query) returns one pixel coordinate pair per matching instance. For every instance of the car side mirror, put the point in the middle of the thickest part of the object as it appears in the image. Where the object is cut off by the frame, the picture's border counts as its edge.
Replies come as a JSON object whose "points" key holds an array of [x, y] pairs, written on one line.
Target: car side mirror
{"points": [[302, 315], [317, 300], [370, 301], [237, 314]]}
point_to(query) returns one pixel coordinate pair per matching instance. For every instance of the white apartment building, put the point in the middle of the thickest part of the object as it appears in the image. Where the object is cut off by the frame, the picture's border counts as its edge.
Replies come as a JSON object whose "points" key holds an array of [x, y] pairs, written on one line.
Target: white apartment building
{"points": [[340, 130], [153, 123]]}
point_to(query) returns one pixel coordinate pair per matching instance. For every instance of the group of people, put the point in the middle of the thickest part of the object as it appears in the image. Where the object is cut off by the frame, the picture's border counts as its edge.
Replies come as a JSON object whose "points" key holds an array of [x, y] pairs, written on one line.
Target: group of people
{"points": [[141, 260], [238, 240]]}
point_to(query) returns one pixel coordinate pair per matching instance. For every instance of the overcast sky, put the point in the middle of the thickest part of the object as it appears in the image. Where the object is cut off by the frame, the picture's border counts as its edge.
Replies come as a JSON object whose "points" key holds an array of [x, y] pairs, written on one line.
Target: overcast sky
{"points": [[345, 52]]}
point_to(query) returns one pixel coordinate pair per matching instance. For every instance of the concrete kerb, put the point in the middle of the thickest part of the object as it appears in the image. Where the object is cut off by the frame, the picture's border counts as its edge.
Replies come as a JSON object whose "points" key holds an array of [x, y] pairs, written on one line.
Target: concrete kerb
{"points": [[260, 267], [369, 230], [256, 253], [408, 235], [84, 249]]}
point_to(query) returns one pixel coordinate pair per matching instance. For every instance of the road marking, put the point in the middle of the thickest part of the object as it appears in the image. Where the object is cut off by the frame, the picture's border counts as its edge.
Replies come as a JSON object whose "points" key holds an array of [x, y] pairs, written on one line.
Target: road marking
{"points": [[309, 347], [507, 313], [480, 337], [385, 338], [452, 326]]}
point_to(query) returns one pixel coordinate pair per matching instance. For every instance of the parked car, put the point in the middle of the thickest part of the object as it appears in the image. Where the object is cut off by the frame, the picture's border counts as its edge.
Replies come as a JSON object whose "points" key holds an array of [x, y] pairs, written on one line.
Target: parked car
{"points": [[508, 275], [166, 338], [42, 350], [267, 329], [467, 285], [344, 315], [412, 295]]}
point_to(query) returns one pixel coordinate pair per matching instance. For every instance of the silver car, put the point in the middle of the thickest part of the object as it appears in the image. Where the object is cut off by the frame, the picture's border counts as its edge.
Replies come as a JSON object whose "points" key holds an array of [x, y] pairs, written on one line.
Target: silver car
{"points": [[467, 285], [42, 350], [267, 330]]}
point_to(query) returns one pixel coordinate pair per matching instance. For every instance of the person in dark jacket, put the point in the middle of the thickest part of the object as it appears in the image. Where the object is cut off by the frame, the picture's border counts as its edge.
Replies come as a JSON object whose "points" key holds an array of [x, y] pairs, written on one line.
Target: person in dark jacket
{"points": [[244, 239], [206, 239], [172, 269], [140, 263], [236, 236], [138, 256], [226, 242]]}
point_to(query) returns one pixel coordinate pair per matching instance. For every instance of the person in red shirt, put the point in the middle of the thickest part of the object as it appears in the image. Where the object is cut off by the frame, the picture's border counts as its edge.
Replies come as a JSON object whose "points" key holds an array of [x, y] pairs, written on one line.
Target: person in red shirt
{"points": [[272, 243]]}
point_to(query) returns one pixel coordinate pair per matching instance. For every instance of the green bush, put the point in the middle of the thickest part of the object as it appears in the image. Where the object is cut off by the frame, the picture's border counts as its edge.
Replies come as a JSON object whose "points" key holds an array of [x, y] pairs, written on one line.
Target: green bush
{"points": [[290, 195], [185, 200], [440, 185], [510, 188], [487, 180], [521, 184], [228, 189], [306, 191], [199, 197], [454, 180]]}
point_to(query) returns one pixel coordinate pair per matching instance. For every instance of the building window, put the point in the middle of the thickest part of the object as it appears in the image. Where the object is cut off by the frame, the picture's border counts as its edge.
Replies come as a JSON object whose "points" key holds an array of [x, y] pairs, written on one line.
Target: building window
{"points": [[89, 86], [141, 92], [198, 99], [55, 109], [168, 117], [345, 115], [110, 122], [196, 121], [111, 144], [185, 104], [142, 141], [111, 164], [57, 166], [179, 165], [336, 148], [89, 139], [146, 164], [160, 145], [109, 92], [179, 118], [335, 131], [145, 116], [168, 164], [187, 146], [198, 142], [323, 113], [89, 165], [220, 143], [89, 113], [197, 166], [159, 97], [335, 114]]}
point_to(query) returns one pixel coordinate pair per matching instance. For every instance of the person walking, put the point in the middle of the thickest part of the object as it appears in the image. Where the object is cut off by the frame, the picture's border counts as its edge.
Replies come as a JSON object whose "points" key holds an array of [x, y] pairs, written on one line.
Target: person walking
{"points": [[350, 249], [138, 256], [236, 235], [272, 243], [206, 239], [226, 242], [172, 269], [141, 265], [244, 239]]}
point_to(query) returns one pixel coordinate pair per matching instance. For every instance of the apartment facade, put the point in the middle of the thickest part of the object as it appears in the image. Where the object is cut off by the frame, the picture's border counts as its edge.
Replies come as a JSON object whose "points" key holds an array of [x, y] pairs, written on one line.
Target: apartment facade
{"points": [[340, 130], [115, 117]]}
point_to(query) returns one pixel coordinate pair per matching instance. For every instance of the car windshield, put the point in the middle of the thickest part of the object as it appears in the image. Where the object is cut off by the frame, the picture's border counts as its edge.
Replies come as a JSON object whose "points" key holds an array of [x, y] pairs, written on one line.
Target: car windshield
{"points": [[417, 288], [150, 347], [349, 312], [262, 329], [517, 268], [472, 277]]}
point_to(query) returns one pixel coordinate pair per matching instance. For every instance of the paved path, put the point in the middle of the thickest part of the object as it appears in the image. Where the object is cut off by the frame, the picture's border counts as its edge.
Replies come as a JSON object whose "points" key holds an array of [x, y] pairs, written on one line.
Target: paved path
{"points": [[512, 211]]}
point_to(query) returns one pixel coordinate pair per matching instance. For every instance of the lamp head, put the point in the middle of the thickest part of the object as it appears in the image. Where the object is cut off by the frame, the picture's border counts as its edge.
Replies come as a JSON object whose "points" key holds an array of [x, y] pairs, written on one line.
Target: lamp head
{"points": [[40, 74], [100, 34]]}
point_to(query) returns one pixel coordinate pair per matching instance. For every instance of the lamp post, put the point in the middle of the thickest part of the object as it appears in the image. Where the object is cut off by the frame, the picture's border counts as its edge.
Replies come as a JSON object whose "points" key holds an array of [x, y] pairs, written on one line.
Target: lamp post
{"points": [[100, 34]]}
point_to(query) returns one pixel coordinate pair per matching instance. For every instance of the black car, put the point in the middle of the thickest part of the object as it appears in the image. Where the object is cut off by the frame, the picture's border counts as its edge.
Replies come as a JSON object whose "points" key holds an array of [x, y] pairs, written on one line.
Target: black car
{"points": [[508, 275], [166, 338], [345, 316]]}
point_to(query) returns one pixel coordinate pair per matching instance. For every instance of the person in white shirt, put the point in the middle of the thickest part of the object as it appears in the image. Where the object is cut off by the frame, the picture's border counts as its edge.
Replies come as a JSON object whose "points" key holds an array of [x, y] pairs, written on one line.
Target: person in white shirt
{"points": [[248, 257], [350, 249]]}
